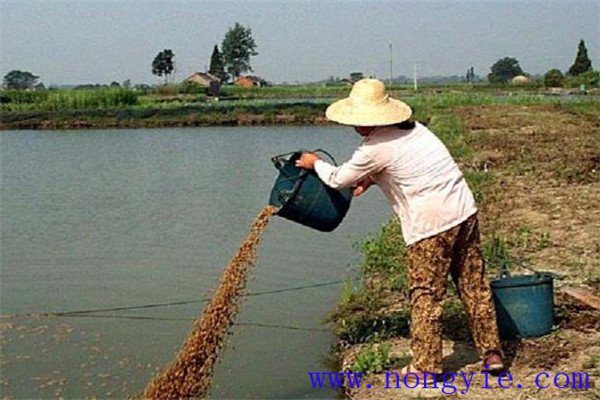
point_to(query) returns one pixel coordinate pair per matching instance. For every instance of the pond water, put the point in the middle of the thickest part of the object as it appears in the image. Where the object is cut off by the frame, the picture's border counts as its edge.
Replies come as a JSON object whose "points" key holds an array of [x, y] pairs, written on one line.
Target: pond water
{"points": [[139, 225]]}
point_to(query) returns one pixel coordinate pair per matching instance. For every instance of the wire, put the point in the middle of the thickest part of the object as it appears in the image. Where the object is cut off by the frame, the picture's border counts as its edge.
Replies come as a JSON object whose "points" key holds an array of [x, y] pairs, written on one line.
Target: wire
{"points": [[167, 304], [146, 318]]}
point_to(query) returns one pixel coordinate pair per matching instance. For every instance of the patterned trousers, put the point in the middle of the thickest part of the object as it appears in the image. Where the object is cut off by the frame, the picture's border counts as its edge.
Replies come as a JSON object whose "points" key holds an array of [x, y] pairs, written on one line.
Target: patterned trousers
{"points": [[456, 251]]}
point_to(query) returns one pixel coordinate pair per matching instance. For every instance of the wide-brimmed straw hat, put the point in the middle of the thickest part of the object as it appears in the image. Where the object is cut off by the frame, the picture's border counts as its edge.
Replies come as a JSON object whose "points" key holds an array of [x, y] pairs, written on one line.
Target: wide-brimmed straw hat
{"points": [[368, 105]]}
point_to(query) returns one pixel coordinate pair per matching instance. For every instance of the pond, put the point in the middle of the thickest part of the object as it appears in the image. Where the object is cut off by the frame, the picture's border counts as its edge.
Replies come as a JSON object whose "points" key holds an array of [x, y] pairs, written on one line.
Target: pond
{"points": [[128, 232]]}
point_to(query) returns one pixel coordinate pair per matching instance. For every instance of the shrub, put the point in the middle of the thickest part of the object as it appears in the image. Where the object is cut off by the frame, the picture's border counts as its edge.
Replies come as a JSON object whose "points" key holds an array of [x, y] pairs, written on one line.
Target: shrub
{"points": [[589, 79], [553, 78], [188, 87]]}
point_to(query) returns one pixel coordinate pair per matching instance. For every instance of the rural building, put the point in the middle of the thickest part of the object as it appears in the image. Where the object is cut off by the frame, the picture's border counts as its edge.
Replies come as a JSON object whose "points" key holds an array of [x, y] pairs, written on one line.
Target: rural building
{"points": [[202, 78], [248, 81]]}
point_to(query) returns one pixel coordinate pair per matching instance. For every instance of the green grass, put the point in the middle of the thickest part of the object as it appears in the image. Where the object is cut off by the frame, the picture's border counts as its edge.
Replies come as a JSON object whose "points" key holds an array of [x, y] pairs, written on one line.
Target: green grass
{"points": [[59, 100], [369, 327], [385, 254], [451, 131], [285, 91], [376, 358]]}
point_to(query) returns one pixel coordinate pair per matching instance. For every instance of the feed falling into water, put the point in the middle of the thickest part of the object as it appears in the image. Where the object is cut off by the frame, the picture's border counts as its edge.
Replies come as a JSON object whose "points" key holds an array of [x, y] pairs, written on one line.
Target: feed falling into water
{"points": [[189, 375]]}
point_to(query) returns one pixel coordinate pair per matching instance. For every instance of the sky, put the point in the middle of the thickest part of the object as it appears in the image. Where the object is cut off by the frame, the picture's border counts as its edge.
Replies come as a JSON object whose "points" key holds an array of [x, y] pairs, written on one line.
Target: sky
{"points": [[79, 42]]}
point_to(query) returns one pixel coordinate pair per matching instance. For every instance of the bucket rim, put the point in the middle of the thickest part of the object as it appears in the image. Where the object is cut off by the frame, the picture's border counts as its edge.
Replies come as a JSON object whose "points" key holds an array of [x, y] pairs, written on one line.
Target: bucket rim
{"points": [[536, 279]]}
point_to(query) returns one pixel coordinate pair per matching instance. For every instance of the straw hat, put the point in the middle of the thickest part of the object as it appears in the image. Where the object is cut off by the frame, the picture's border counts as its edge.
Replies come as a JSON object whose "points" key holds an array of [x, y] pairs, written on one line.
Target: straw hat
{"points": [[368, 105]]}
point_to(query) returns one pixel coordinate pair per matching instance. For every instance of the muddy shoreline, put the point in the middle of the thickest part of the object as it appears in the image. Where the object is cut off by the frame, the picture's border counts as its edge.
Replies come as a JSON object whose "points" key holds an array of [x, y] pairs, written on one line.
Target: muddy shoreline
{"points": [[243, 120]]}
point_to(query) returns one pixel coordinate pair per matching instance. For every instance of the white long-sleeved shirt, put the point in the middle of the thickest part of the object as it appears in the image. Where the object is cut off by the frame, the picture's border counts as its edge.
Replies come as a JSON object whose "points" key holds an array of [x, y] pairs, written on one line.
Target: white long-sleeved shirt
{"points": [[415, 172]]}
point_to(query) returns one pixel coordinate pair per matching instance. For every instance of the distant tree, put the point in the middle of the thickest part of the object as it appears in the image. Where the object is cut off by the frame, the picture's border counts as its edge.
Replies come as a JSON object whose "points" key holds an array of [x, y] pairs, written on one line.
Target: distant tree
{"points": [[39, 86], [237, 47], [356, 76], [163, 64], [127, 83], [16, 79], [115, 84], [471, 75], [504, 70], [217, 65], [554, 78], [582, 61]]}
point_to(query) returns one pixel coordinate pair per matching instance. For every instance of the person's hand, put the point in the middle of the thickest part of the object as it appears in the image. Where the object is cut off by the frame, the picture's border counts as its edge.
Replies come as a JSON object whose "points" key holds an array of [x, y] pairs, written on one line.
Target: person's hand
{"points": [[307, 160], [362, 186]]}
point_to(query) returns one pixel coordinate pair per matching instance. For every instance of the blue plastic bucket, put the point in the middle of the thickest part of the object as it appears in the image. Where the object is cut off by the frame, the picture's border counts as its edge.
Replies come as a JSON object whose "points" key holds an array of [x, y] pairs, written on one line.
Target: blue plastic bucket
{"points": [[302, 197], [524, 304]]}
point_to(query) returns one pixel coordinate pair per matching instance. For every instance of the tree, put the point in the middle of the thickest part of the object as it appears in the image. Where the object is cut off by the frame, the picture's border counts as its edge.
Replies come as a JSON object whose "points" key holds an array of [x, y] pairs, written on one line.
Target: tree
{"points": [[163, 64], [504, 70], [356, 76], [217, 66], [582, 61], [238, 46], [127, 83], [16, 79], [554, 78], [471, 75]]}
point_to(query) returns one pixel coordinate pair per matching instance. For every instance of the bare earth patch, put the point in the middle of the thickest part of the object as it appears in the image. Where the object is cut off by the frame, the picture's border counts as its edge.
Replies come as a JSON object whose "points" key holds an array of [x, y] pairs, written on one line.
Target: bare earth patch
{"points": [[546, 166]]}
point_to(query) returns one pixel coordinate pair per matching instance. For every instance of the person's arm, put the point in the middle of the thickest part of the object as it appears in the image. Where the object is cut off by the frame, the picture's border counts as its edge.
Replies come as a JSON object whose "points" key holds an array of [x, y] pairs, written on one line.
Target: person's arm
{"points": [[362, 165]]}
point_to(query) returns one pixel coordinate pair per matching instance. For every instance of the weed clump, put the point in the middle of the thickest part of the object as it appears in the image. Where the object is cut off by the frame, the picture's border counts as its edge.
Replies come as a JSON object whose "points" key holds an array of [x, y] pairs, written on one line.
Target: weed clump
{"points": [[375, 359]]}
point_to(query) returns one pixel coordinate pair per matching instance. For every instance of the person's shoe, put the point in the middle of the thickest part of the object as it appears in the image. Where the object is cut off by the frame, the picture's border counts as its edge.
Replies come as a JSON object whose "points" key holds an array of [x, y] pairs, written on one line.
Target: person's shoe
{"points": [[492, 360]]}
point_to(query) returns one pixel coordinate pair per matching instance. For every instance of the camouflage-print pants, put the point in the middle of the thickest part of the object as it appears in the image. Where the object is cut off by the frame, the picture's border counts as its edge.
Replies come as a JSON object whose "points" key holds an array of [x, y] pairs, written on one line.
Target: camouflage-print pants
{"points": [[458, 251]]}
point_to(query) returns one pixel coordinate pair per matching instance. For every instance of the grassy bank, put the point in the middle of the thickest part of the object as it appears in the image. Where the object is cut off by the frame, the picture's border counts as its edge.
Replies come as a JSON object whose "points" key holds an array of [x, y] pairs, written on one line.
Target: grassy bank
{"points": [[114, 108], [234, 113], [533, 164]]}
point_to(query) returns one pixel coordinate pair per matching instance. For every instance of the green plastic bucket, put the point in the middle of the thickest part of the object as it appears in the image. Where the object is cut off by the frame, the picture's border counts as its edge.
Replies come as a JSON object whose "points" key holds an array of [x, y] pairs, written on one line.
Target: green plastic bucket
{"points": [[524, 304], [302, 197]]}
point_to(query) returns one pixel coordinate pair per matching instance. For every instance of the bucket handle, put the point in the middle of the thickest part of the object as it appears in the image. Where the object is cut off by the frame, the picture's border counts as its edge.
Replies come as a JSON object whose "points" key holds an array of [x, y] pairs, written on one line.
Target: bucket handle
{"points": [[327, 154], [278, 163], [305, 172], [277, 160]]}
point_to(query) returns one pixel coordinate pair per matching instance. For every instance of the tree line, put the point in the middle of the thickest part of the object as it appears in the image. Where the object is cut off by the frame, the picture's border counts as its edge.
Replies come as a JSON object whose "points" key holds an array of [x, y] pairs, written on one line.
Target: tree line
{"points": [[238, 46], [507, 68]]}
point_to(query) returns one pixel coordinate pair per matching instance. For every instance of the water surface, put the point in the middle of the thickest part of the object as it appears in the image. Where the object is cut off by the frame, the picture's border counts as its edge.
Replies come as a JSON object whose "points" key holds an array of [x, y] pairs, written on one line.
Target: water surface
{"points": [[115, 219]]}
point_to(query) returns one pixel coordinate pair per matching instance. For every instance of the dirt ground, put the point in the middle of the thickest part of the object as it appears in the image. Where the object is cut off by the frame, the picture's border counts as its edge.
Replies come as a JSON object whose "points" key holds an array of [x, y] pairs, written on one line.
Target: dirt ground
{"points": [[545, 166], [545, 163]]}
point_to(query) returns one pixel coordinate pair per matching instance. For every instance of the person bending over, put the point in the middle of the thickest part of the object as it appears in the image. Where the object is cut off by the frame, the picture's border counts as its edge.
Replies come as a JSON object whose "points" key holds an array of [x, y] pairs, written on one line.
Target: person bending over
{"points": [[437, 211]]}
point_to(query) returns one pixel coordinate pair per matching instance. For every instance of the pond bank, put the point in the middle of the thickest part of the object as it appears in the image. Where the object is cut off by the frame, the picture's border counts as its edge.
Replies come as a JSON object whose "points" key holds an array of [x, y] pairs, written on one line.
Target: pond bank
{"points": [[291, 111], [534, 172], [183, 116]]}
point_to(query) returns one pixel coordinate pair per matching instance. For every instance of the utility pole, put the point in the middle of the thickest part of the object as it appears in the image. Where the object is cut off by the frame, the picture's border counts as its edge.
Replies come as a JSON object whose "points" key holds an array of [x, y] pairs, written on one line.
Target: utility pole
{"points": [[391, 66], [415, 76]]}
